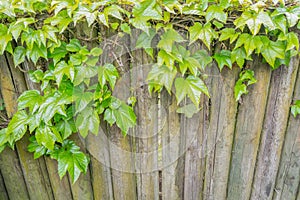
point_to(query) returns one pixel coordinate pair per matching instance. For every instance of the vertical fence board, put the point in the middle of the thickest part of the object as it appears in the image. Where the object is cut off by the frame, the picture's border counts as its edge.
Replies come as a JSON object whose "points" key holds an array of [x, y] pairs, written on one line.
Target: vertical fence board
{"points": [[288, 176], [170, 149], [248, 128], [275, 122], [146, 131], [3, 192], [220, 132]]}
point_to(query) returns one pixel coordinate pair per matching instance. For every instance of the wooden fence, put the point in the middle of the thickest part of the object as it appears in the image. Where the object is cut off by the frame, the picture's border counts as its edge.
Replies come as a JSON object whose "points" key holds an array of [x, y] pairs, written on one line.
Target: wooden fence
{"points": [[228, 150]]}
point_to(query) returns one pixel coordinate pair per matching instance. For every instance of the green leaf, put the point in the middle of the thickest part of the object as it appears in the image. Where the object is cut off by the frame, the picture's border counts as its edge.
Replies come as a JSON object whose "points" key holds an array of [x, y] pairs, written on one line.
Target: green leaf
{"points": [[34, 146], [161, 76], [188, 110], [15, 29], [108, 73], [61, 69], [84, 73], [54, 103], [254, 21], [122, 114], [87, 120], [280, 22], [44, 136], [84, 11], [36, 52], [144, 40], [96, 51], [292, 41], [192, 86], [66, 127], [19, 55], [61, 20], [216, 12], [78, 58], [82, 99], [50, 33], [74, 45], [70, 159], [114, 11], [203, 58], [36, 76], [5, 38], [168, 39], [272, 50], [59, 53], [126, 28], [246, 78], [30, 99], [239, 56], [250, 43], [229, 33], [3, 137], [205, 33], [148, 9], [295, 109], [223, 59], [17, 126]]}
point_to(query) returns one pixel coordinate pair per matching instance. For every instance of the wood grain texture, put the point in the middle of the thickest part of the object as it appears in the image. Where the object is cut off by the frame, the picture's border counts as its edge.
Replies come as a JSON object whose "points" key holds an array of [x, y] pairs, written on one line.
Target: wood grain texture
{"points": [[288, 176], [247, 134], [3, 192], [274, 128], [220, 131]]}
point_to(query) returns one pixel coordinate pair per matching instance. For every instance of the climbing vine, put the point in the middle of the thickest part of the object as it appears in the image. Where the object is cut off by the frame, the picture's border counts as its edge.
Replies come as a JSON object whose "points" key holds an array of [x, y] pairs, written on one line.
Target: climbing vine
{"points": [[69, 101]]}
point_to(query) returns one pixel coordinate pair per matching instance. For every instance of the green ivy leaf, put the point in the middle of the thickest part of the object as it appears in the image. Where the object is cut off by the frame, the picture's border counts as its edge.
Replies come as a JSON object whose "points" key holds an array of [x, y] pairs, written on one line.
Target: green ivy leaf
{"points": [[168, 39], [204, 33], [74, 45], [44, 136], [61, 69], [70, 159], [108, 73], [30, 99], [5, 38], [36, 52], [223, 59], [66, 128], [61, 20], [50, 32], [36, 148], [295, 109], [229, 33], [272, 50], [250, 43], [161, 76], [192, 86], [85, 11], [292, 41], [84, 73], [254, 20], [17, 126], [82, 99], [246, 78], [59, 53], [19, 55], [216, 12], [203, 58], [96, 51], [239, 56], [87, 120]]}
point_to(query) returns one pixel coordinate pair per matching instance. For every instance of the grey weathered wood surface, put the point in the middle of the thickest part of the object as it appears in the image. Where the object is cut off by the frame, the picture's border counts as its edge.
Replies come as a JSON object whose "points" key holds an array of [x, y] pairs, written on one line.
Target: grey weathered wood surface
{"points": [[229, 150], [247, 134]]}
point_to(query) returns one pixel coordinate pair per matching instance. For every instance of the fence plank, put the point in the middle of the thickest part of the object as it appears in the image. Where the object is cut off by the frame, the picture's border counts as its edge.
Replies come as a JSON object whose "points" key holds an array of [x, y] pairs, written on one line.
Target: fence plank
{"points": [[35, 172], [220, 131], [248, 129], [275, 122], [288, 176], [121, 157], [3, 192], [170, 148]]}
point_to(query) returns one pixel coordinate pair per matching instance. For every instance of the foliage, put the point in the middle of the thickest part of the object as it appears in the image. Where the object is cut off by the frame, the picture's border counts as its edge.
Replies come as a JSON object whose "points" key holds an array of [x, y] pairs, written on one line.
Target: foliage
{"points": [[231, 32], [295, 109]]}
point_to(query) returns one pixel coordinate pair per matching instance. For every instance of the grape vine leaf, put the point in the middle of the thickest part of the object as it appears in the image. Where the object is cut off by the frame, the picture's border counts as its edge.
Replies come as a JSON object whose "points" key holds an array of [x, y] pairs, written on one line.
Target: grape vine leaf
{"points": [[192, 86], [223, 58], [168, 39], [205, 33], [19, 55], [216, 12], [30, 99], [87, 120], [17, 126], [36, 148], [272, 50], [246, 78], [70, 159], [250, 43], [108, 73], [295, 109]]}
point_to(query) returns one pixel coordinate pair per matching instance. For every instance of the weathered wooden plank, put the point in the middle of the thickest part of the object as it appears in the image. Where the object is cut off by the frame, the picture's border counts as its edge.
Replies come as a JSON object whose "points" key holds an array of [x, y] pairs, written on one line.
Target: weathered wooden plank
{"points": [[170, 141], [275, 123], [34, 171], [120, 147], [195, 143], [146, 131], [3, 191], [248, 129], [288, 176], [220, 131]]}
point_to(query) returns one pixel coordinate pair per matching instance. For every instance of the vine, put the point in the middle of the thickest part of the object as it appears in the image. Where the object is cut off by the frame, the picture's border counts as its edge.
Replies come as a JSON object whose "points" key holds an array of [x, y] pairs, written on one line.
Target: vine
{"points": [[69, 101]]}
